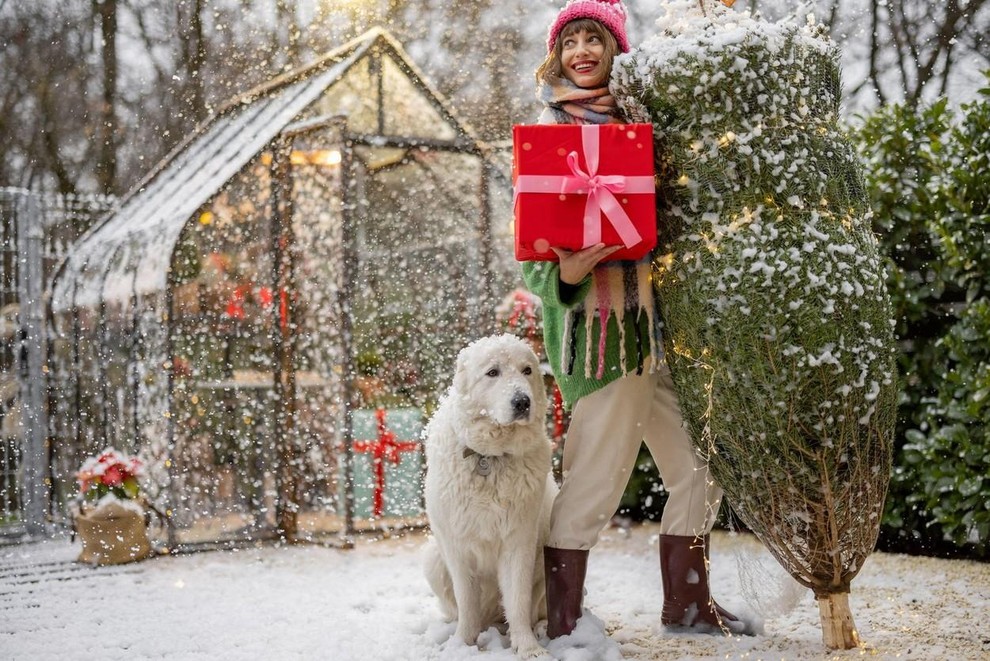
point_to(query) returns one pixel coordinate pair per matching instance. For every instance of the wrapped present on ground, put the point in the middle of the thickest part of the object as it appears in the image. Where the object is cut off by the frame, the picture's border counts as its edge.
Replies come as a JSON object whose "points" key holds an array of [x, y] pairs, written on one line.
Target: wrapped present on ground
{"points": [[388, 463], [578, 185]]}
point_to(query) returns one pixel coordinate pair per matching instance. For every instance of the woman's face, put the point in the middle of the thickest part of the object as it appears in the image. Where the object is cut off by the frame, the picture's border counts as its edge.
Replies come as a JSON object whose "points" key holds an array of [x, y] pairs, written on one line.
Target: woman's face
{"points": [[581, 59]]}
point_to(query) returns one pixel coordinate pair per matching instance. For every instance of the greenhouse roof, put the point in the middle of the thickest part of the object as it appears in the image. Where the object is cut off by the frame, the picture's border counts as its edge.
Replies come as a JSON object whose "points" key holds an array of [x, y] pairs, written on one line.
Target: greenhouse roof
{"points": [[128, 254]]}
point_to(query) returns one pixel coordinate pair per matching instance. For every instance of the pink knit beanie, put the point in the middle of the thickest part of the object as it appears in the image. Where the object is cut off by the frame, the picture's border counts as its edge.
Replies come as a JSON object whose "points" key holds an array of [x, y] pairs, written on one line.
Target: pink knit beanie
{"points": [[609, 13]]}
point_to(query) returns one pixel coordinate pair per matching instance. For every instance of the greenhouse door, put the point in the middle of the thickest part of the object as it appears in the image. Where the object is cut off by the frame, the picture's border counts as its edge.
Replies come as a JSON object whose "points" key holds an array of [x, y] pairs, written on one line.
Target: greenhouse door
{"points": [[310, 338]]}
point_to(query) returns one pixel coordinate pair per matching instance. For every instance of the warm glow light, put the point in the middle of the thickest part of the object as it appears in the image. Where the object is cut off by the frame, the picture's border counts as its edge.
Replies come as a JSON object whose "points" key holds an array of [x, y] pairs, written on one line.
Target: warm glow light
{"points": [[330, 157], [681, 350], [348, 4], [327, 157], [665, 262]]}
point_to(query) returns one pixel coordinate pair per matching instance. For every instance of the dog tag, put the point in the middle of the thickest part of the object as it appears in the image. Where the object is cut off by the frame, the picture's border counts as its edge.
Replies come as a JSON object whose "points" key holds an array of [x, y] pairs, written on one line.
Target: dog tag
{"points": [[484, 467]]}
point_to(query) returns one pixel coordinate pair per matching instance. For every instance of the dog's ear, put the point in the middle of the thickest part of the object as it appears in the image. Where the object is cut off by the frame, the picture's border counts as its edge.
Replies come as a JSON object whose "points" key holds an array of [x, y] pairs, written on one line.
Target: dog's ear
{"points": [[461, 371]]}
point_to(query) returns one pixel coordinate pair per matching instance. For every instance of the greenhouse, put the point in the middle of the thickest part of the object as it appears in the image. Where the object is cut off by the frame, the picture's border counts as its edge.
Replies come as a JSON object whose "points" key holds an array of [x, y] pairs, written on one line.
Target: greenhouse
{"points": [[269, 317]]}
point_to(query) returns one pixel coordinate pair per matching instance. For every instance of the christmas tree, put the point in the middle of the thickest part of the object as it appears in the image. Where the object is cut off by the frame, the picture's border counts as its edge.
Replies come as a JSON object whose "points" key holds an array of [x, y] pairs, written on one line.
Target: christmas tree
{"points": [[778, 326]]}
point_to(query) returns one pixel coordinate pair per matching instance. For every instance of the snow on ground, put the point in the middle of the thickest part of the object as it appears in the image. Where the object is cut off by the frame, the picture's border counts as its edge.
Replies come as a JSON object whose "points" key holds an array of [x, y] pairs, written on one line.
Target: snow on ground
{"points": [[372, 602]]}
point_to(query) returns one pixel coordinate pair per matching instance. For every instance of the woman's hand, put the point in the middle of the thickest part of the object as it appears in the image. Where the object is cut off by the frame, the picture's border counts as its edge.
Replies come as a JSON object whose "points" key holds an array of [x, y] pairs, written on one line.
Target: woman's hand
{"points": [[575, 266]]}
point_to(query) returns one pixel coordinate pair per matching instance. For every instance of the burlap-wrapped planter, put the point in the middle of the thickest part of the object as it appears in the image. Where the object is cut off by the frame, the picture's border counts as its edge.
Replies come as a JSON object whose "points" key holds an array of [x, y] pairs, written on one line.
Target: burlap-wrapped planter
{"points": [[112, 534]]}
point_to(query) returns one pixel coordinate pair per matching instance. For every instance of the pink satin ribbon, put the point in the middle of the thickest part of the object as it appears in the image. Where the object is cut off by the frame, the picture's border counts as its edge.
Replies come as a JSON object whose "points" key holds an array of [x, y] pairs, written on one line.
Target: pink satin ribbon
{"points": [[600, 190]]}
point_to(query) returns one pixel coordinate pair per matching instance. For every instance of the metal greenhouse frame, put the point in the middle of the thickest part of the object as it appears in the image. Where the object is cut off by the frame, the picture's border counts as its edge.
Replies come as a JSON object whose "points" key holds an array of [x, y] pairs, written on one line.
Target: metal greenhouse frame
{"points": [[316, 251]]}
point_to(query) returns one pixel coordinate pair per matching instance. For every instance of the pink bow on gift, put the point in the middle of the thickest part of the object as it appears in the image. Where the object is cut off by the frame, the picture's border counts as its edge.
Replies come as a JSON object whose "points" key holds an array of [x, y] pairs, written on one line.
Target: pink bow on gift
{"points": [[600, 190]]}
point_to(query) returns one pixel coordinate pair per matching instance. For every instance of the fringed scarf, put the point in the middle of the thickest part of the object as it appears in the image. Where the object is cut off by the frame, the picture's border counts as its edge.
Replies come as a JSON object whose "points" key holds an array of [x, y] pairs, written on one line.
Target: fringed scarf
{"points": [[618, 288], [569, 104]]}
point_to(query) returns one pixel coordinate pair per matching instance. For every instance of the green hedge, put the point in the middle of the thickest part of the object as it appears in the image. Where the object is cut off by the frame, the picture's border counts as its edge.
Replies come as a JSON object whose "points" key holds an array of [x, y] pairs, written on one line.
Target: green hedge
{"points": [[926, 171]]}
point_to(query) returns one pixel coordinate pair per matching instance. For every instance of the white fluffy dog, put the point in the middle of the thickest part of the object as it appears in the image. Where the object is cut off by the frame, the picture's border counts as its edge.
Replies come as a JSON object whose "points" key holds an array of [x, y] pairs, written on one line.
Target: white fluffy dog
{"points": [[489, 490]]}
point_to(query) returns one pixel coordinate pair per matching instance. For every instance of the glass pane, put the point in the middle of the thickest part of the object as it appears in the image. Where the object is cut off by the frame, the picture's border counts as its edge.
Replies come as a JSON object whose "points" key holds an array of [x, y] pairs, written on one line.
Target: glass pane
{"points": [[420, 278], [151, 374], [65, 418], [408, 110], [318, 275], [222, 311], [119, 387], [89, 391], [354, 95], [506, 271]]}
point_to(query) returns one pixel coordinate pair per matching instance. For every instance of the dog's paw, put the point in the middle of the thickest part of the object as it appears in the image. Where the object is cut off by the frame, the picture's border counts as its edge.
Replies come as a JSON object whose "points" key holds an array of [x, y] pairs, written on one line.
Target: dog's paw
{"points": [[467, 635], [531, 649]]}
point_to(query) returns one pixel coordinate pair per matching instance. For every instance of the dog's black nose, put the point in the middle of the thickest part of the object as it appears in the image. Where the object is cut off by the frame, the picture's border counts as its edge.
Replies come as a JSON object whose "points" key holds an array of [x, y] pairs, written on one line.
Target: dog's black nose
{"points": [[520, 405]]}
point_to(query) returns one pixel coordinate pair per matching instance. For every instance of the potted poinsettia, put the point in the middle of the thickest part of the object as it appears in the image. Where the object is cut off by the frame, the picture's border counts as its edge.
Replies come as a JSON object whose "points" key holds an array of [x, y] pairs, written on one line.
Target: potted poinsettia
{"points": [[111, 511]]}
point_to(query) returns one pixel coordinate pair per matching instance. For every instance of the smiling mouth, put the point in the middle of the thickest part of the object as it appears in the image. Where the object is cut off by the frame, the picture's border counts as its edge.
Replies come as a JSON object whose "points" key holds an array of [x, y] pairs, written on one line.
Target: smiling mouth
{"points": [[585, 67]]}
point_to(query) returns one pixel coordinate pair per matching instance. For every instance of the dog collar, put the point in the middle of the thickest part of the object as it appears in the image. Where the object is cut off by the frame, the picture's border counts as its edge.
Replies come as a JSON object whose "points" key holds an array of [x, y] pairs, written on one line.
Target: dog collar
{"points": [[483, 467]]}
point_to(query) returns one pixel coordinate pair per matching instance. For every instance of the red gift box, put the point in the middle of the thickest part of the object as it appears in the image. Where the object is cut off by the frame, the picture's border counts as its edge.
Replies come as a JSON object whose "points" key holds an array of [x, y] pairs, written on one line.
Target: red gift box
{"points": [[578, 185]]}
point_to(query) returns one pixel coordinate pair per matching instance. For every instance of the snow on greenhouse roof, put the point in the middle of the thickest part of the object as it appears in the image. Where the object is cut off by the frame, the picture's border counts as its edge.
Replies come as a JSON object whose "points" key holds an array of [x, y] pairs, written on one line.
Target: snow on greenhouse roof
{"points": [[129, 252]]}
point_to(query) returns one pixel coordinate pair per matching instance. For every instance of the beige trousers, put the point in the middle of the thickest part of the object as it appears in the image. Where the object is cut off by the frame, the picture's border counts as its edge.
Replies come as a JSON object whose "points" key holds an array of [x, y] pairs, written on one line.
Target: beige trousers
{"points": [[603, 440]]}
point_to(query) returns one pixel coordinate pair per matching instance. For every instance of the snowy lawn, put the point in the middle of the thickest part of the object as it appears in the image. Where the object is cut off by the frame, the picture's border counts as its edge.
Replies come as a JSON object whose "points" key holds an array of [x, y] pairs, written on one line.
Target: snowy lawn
{"points": [[309, 602]]}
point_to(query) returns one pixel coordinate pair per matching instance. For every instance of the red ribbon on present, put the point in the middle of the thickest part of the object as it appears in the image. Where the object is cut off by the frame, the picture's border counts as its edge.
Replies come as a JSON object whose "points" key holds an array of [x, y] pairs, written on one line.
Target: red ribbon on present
{"points": [[600, 190], [382, 449]]}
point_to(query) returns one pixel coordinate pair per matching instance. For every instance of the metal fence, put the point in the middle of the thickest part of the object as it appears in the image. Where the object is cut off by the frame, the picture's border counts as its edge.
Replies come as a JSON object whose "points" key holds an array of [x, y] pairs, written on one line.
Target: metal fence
{"points": [[36, 231]]}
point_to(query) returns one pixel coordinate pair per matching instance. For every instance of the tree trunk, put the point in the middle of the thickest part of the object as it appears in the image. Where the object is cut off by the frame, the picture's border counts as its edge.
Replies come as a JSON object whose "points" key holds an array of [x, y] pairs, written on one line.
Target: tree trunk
{"points": [[106, 168], [197, 63], [838, 629]]}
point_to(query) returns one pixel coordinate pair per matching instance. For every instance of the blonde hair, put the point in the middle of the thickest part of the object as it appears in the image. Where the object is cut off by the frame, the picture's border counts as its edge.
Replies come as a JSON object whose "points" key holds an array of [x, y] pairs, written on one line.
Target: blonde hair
{"points": [[552, 68]]}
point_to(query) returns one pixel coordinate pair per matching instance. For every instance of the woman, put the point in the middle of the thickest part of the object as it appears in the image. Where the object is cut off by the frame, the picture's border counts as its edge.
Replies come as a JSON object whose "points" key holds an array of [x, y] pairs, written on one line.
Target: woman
{"points": [[601, 330]]}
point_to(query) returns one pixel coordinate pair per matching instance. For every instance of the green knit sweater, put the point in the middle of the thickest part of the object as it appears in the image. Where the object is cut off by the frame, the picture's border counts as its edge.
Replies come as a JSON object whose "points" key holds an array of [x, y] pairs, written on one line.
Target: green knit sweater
{"points": [[560, 300]]}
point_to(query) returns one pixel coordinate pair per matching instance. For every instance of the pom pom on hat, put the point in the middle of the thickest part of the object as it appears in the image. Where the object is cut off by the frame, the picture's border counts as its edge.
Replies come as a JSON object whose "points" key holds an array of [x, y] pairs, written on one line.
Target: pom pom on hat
{"points": [[610, 13]]}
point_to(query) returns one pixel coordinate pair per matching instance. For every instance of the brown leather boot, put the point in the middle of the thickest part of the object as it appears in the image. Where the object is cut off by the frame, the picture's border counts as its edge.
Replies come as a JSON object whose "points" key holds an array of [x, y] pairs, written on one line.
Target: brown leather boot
{"points": [[687, 599], [565, 571]]}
